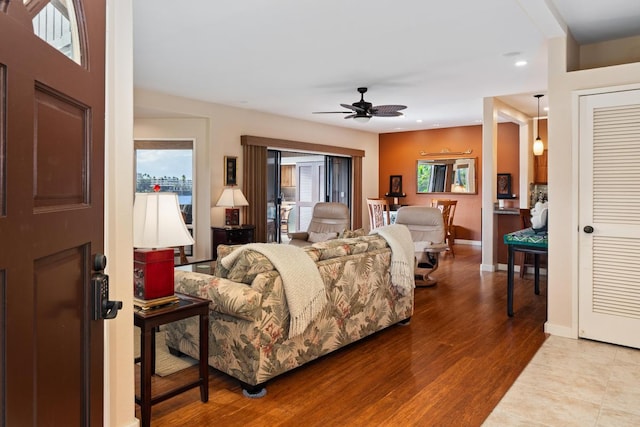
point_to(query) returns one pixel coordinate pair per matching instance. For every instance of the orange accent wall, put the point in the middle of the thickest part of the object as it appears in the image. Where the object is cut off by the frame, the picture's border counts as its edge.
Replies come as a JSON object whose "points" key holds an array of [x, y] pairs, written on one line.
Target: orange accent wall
{"points": [[508, 156], [400, 152]]}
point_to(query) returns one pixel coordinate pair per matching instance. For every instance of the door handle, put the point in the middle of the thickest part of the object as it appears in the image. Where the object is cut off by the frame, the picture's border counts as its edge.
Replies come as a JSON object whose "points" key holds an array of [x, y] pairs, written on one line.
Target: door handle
{"points": [[588, 229], [103, 308]]}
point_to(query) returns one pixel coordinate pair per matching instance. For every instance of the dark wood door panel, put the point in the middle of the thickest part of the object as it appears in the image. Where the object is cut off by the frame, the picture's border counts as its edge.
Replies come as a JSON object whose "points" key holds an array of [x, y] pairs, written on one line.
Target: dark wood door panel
{"points": [[51, 220], [61, 149]]}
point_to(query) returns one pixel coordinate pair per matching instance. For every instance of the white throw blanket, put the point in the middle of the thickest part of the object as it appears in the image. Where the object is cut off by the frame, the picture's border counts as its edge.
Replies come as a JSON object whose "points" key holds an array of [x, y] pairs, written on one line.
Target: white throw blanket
{"points": [[303, 286], [402, 256]]}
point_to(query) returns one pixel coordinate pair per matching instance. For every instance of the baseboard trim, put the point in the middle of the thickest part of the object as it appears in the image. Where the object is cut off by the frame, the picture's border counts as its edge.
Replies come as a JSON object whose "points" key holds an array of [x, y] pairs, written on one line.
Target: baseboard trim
{"points": [[487, 267], [561, 331], [467, 242]]}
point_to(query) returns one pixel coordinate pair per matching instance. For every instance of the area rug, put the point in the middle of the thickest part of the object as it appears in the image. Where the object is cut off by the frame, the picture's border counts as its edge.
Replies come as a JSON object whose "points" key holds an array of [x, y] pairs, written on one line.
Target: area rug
{"points": [[166, 363]]}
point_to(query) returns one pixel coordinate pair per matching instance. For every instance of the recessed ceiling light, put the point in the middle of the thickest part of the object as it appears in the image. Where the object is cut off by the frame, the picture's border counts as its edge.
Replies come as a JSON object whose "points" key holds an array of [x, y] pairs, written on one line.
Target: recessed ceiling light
{"points": [[435, 125], [419, 121], [521, 63]]}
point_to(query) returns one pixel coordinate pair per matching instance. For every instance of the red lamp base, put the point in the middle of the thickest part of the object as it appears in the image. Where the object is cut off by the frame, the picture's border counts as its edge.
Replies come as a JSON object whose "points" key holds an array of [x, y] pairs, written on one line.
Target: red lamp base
{"points": [[153, 273], [232, 216]]}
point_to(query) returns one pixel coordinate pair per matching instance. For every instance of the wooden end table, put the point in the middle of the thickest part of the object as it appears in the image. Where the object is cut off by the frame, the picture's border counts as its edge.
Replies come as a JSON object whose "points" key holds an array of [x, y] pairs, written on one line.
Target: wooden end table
{"points": [[148, 321], [234, 235]]}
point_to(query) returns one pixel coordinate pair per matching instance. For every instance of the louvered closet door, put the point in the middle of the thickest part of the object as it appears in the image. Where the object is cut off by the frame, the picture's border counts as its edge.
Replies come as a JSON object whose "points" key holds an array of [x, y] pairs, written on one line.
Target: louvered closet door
{"points": [[609, 279]]}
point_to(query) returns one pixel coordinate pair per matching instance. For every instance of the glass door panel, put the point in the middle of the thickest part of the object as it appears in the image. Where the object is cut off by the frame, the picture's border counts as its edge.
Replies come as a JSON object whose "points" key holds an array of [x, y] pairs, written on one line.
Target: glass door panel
{"points": [[338, 179], [273, 196]]}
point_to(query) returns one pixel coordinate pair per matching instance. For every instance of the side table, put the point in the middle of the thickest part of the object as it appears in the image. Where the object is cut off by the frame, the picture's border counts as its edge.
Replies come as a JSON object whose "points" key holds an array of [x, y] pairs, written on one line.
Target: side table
{"points": [[526, 241], [148, 321], [231, 236]]}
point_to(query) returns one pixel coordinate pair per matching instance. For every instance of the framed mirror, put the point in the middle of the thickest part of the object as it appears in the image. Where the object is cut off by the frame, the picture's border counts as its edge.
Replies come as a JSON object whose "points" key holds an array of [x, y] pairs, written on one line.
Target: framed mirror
{"points": [[447, 176]]}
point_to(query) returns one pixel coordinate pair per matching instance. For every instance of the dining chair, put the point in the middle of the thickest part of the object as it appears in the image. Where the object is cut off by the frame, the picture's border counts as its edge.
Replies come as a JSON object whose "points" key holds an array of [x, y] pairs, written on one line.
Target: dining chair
{"points": [[448, 209], [284, 218], [378, 213]]}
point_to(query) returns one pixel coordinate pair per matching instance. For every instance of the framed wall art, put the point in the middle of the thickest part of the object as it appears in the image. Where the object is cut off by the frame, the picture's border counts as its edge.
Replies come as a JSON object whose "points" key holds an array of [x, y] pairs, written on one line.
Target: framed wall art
{"points": [[230, 170], [395, 185], [504, 186]]}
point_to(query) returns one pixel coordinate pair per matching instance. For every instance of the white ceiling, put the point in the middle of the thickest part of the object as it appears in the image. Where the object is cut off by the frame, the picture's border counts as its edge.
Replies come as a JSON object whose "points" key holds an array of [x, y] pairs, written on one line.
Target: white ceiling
{"points": [[292, 57]]}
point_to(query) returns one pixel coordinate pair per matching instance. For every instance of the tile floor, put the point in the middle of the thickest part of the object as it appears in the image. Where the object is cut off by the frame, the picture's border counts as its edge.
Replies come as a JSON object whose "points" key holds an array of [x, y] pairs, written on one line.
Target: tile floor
{"points": [[574, 383]]}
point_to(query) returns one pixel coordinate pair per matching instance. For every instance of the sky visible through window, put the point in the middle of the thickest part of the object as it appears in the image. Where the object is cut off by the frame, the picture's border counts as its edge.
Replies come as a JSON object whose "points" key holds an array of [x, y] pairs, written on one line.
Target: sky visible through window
{"points": [[165, 163], [171, 169]]}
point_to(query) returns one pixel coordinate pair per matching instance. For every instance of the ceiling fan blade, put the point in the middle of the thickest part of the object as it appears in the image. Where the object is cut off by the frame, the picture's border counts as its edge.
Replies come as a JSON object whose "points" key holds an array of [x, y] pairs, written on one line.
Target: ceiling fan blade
{"points": [[353, 107], [383, 109], [389, 114], [332, 112], [351, 116]]}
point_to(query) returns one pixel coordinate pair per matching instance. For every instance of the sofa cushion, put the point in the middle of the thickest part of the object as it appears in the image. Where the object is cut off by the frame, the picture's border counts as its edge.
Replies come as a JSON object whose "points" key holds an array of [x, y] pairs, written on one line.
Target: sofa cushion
{"points": [[342, 247], [321, 237], [347, 234]]}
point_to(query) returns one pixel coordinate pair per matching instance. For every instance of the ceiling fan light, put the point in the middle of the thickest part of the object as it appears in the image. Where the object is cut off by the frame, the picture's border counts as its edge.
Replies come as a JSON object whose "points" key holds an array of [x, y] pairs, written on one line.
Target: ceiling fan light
{"points": [[362, 119], [538, 147]]}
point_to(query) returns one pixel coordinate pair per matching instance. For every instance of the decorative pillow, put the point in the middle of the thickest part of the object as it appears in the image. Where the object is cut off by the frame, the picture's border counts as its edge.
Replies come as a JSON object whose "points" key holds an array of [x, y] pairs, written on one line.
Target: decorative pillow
{"points": [[321, 237], [347, 234], [313, 253], [247, 266]]}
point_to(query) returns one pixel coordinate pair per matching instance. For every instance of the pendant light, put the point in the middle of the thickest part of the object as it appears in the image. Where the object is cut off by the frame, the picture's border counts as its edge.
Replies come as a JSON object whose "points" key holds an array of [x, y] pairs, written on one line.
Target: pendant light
{"points": [[538, 146]]}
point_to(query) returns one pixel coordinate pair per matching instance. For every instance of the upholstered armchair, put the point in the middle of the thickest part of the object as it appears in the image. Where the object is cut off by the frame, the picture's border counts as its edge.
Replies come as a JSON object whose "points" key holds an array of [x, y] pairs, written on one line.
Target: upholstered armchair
{"points": [[427, 229], [328, 221]]}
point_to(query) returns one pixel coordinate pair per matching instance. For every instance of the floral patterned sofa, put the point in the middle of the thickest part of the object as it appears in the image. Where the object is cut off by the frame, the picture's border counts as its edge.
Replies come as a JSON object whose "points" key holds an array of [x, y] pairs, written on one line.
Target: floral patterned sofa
{"points": [[249, 318]]}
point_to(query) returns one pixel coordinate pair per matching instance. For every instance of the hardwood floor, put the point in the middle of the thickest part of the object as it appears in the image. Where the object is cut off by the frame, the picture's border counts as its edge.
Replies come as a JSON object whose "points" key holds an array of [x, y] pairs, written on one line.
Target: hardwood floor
{"points": [[450, 366]]}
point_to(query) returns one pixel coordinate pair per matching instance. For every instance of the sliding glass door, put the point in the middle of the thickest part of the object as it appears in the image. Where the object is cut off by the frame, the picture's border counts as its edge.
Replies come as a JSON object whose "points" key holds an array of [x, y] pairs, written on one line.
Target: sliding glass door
{"points": [[296, 182]]}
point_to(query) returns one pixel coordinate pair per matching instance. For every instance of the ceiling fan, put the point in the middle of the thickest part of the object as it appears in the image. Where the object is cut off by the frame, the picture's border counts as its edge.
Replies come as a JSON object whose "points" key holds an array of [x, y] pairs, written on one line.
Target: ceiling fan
{"points": [[362, 111]]}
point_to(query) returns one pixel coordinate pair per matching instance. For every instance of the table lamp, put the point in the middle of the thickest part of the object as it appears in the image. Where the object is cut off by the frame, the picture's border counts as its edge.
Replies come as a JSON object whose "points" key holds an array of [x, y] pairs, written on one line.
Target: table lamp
{"points": [[158, 226], [230, 198]]}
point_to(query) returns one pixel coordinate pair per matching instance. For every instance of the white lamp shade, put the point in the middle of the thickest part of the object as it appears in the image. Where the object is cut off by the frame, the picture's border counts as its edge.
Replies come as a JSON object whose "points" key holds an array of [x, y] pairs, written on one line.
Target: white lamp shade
{"points": [[158, 222], [538, 147], [232, 197]]}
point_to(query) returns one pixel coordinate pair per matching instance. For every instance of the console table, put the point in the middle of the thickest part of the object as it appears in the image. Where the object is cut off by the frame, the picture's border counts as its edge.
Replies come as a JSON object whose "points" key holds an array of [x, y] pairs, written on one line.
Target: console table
{"points": [[526, 241], [231, 236]]}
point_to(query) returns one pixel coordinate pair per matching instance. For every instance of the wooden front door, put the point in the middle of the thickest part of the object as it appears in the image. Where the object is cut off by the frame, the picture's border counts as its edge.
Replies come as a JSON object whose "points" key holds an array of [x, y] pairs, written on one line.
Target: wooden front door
{"points": [[51, 210]]}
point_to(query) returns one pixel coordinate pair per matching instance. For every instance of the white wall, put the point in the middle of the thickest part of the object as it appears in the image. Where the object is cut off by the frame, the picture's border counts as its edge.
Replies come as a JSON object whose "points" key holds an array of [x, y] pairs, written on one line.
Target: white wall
{"points": [[227, 124], [562, 318]]}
